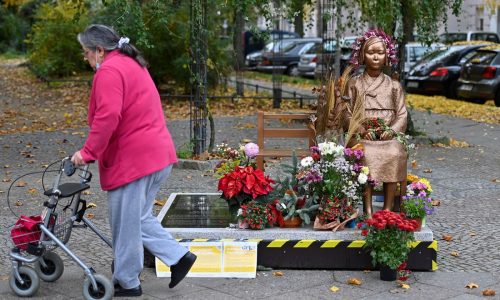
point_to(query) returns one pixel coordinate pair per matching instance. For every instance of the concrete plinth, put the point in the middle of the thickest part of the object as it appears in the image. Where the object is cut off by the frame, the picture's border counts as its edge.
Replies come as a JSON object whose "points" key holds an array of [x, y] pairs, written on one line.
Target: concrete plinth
{"points": [[306, 248]]}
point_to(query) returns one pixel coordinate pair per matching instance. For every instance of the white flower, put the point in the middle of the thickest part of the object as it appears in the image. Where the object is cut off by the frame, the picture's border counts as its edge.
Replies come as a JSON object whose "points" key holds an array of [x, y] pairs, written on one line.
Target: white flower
{"points": [[362, 178], [326, 148], [307, 162], [365, 170], [338, 150], [240, 212]]}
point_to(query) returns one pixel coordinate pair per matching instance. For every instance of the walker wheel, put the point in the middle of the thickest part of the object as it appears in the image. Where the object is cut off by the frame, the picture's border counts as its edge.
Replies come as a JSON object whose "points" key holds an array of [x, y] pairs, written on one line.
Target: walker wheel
{"points": [[54, 268], [105, 289], [30, 285]]}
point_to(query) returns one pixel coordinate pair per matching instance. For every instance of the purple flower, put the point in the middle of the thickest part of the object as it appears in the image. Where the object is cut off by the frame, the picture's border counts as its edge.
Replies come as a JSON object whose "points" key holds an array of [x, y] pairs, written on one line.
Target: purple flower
{"points": [[348, 152], [358, 153], [251, 150]]}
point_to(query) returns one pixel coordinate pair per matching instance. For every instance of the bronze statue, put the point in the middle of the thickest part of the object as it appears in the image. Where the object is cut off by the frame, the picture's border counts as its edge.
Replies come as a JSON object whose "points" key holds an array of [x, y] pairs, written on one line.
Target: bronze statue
{"points": [[368, 96]]}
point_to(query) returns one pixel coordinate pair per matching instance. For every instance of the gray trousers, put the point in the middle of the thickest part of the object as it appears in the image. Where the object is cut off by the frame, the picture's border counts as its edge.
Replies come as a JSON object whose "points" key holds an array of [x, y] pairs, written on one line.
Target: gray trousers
{"points": [[134, 226]]}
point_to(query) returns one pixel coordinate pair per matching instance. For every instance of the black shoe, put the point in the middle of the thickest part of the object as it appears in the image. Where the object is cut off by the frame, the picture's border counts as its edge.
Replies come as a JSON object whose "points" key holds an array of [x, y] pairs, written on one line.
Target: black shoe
{"points": [[133, 292], [180, 269]]}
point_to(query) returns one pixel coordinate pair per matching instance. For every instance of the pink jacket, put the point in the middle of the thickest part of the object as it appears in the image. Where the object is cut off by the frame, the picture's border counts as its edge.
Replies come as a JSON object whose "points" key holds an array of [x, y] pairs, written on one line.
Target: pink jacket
{"points": [[128, 133]]}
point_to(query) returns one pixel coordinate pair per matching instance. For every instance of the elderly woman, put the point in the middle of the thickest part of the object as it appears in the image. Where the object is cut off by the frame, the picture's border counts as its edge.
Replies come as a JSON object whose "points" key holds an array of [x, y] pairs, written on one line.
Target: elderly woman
{"points": [[373, 95], [129, 138]]}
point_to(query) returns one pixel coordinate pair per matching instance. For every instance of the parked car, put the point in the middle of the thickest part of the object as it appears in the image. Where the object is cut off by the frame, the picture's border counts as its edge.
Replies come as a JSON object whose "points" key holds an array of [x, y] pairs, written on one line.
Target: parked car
{"points": [[414, 53], [438, 72], [254, 42], [253, 59], [325, 61], [480, 76], [308, 60], [451, 37], [285, 56]]}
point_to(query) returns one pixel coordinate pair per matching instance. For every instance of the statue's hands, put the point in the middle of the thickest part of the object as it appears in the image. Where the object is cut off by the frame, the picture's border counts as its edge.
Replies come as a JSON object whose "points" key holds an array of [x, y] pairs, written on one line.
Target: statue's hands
{"points": [[367, 136], [386, 135]]}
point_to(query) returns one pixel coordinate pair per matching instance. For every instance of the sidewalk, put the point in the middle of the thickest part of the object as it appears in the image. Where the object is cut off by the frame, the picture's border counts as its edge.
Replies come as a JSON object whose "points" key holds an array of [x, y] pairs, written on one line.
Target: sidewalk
{"points": [[461, 179]]}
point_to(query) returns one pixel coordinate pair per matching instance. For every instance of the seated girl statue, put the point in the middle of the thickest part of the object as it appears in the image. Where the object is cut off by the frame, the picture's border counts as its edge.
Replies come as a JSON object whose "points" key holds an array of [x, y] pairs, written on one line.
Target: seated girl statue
{"points": [[374, 112]]}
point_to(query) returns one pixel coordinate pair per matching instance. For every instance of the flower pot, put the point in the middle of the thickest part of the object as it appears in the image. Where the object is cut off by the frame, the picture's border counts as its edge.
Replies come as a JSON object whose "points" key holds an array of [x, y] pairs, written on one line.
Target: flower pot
{"points": [[388, 274], [351, 223], [419, 224], [293, 222]]}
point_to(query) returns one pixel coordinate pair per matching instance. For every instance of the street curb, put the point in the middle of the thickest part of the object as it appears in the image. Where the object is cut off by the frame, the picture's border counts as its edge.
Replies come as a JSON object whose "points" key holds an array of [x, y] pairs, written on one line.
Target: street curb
{"points": [[200, 165]]}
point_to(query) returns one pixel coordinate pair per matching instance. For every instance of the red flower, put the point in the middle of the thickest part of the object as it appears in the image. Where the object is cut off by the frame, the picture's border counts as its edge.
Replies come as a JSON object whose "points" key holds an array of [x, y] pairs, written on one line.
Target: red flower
{"points": [[245, 180]]}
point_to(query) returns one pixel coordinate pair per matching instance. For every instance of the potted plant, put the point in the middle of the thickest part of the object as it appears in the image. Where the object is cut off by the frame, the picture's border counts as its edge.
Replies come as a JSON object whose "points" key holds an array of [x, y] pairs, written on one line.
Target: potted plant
{"points": [[387, 239], [417, 208], [254, 215], [295, 204]]}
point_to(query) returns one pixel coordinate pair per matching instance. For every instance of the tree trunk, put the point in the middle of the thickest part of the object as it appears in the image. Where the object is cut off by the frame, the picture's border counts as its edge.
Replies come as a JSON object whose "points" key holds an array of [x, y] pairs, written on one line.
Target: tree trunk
{"points": [[298, 22], [239, 61]]}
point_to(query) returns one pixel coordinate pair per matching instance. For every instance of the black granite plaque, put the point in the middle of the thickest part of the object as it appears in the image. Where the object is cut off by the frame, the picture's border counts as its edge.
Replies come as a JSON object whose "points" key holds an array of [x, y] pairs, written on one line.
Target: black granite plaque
{"points": [[197, 211]]}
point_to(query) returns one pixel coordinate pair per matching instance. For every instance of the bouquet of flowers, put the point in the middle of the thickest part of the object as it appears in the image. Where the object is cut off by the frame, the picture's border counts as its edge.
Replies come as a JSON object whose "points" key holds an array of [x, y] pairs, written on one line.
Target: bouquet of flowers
{"points": [[387, 236], [333, 170], [375, 127], [418, 186], [254, 215], [232, 157], [245, 183], [337, 178]]}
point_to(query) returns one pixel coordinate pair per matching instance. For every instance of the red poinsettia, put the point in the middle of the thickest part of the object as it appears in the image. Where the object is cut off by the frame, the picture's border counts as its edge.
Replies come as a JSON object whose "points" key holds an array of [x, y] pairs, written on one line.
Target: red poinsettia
{"points": [[245, 180]]}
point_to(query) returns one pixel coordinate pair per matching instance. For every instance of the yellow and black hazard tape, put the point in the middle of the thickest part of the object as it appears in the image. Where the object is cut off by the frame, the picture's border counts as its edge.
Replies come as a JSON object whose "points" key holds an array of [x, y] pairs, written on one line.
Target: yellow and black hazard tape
{"points": [[329, 254], [333, 254]]}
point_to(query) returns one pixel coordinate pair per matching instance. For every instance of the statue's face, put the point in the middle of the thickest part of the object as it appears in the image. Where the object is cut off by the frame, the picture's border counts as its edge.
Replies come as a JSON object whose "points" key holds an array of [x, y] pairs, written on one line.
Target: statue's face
{"points": [[375, 56]]}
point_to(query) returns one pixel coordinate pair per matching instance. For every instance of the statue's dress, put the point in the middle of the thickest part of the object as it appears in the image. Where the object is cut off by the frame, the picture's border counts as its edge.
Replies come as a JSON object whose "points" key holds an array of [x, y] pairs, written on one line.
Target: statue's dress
{"points": [[383, 98]]}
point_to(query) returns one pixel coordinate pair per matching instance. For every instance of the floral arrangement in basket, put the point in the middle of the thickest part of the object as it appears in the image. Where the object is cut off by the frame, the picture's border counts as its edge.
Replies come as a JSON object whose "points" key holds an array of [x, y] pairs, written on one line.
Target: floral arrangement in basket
{"points": [[245, 183], [336, 176], [377, 129], [387, 237]]}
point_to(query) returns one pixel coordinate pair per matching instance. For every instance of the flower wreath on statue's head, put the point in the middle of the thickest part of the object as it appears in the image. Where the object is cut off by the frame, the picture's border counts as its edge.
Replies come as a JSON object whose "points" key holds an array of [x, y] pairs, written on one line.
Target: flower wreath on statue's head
{"points": [[357, 47]]}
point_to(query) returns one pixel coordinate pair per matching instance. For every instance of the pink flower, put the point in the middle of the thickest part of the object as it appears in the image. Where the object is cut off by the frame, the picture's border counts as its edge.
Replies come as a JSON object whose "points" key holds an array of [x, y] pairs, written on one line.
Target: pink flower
{"points": [[251, 150]]}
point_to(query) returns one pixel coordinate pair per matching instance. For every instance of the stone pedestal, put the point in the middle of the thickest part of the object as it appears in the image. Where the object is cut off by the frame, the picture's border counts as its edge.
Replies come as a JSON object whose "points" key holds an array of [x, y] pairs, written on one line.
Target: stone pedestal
{"points": [[287, 248]]}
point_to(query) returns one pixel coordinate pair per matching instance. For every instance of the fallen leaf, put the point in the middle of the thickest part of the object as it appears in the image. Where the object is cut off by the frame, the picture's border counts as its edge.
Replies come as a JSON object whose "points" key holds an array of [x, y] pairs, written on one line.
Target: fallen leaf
{"points": [[489, 292], [4, 277], [31, 161], [428, 170], [447, 237], [495, 180], [245, 141], [6, 180], [160, 202], [354, 281], [455, 254], [90, 215], [189, 177], [32, 191], [21, 183], [472, 233], [436, 203], [6, 166], [404, 285], [472, 285], [86, 192], [440, 158], [334, 289], [278, 273], [91, 205], [413, 164], [18, 203]]}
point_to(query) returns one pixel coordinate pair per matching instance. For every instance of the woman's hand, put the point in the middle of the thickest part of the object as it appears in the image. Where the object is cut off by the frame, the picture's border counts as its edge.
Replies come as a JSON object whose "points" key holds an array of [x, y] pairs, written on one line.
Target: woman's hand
{"points": [[77, 159], [386, 135]]}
